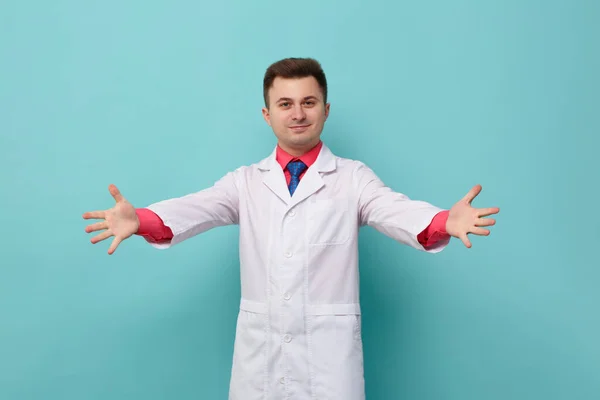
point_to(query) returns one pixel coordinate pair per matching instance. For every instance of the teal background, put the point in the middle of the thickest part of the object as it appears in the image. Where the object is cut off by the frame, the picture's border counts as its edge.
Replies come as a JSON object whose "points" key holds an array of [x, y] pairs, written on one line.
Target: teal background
{"points": [[163, 98]]}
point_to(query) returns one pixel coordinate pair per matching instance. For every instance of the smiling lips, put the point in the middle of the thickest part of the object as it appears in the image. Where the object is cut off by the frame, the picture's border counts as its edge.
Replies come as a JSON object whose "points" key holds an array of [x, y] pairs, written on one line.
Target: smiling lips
{"points": [[299, 128]]}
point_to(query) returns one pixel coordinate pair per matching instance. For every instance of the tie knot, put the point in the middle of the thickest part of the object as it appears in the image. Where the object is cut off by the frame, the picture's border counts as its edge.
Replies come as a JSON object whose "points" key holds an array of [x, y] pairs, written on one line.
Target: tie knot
{"points": [[296, 168]]}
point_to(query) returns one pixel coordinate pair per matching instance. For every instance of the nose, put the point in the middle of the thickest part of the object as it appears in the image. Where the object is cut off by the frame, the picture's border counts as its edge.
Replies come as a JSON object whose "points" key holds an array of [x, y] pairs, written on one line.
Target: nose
{"points": [[298, 113]]}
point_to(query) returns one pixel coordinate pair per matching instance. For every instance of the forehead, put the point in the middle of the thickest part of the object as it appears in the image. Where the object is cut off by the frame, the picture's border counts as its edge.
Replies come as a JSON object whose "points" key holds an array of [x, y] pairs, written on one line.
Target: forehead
{"points": [[295, 88]]}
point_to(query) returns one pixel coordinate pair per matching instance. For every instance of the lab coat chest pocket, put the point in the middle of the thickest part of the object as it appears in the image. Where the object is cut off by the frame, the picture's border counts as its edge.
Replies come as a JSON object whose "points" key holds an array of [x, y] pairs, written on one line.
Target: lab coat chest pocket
{"points": [[328, 221]]}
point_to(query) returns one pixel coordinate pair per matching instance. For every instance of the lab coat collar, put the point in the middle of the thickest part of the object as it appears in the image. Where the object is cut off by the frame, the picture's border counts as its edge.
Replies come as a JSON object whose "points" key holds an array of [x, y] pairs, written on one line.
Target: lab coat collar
{"points": [[312, 181]]}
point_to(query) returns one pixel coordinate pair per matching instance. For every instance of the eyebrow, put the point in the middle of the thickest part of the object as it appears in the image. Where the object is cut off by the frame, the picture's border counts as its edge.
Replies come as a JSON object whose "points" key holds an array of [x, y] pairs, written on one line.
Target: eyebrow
{"points": [[288, 99]]}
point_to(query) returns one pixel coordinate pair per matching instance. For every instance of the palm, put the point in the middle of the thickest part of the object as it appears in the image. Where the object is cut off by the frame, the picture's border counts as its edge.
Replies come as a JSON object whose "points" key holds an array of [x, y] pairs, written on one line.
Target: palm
{"points": [[463, 219], [120, 221]]}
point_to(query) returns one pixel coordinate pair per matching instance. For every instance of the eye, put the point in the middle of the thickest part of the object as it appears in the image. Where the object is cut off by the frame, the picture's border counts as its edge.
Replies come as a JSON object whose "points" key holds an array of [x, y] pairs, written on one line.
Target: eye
{"points": [[309, 102], [284, 104]]}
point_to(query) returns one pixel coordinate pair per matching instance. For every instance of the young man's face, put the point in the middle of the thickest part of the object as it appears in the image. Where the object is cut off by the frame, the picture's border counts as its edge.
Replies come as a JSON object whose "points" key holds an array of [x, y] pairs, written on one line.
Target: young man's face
{"points": [[296, 113]]}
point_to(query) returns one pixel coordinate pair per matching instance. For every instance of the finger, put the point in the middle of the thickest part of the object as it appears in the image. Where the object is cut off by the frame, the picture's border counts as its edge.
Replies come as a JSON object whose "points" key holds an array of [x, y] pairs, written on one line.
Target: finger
{"points": [[100, 237], [485, 222], [94, 215], [484, 212], [480, 231], [116, 194], [465, 240], [472, 194], [96, 227], [115, 243]]}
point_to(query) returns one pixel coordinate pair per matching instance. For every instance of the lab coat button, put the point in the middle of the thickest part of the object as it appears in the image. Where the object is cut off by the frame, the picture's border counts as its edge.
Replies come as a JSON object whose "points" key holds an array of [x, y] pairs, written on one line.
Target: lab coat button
{"points": [[282, 380], [288, 254], [292, 213], [287, 295], [287, 338]]}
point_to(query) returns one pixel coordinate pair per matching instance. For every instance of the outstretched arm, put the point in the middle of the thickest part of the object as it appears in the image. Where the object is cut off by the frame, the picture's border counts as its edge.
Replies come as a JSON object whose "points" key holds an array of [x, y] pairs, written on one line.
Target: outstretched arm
{"points": [[394, 214], [197, 212], [408, 221], [180, 218]]}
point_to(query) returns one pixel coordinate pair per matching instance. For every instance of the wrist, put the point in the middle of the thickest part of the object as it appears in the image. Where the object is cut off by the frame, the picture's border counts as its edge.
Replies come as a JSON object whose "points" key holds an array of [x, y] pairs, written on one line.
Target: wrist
{"points": [[450, 225], [142, 225], [443, 221]]}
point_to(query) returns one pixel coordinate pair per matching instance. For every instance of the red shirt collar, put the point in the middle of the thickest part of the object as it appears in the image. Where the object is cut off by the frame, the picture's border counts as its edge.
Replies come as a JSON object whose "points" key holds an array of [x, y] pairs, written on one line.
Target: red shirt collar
{"points": [[308, 158]]}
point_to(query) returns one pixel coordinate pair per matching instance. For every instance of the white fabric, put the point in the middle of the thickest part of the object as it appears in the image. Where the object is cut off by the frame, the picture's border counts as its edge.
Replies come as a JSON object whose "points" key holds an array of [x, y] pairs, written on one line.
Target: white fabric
{"points": [[298, 332]]}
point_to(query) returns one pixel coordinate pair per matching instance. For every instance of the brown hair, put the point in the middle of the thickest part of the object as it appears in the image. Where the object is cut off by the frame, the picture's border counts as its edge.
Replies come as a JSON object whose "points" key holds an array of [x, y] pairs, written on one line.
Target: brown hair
{"points": [[294, 68]]}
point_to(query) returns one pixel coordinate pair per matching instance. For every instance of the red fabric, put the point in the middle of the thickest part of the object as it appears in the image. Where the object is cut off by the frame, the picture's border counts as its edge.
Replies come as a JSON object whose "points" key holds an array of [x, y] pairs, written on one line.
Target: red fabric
{"points": [[308, 158], [436, 231], [153, 229]]}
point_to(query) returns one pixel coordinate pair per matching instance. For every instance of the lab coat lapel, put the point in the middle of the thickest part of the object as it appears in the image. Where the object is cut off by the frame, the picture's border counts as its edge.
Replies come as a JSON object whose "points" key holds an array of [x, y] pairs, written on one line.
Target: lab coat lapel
{"points": [[274, 178], [312, 180], [310, 183]]}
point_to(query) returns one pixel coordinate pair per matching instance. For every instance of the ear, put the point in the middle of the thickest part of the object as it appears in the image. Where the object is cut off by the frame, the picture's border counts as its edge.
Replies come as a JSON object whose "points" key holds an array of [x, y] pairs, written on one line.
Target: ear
{"points": [[266, 115], [327, 107]]}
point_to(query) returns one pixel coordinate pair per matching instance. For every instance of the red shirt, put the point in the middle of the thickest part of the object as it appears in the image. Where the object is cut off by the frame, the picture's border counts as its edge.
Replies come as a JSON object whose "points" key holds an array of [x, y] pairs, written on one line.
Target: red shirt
{"points": [[308, 158], [153, 229]]}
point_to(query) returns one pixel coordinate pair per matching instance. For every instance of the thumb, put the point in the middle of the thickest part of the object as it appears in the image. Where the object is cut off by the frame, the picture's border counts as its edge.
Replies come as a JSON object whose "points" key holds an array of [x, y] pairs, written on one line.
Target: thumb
{"points": [[475, 190], [116, 194]]}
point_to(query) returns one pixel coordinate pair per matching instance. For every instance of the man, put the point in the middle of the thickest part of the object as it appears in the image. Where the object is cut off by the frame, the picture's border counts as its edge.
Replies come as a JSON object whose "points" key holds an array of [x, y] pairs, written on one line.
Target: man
{"points": [[299, 210]]}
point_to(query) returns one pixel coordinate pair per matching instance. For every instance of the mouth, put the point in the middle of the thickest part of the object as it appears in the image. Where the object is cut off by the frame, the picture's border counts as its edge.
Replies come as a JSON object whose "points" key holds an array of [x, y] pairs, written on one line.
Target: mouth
{"points": [[299, 128]]}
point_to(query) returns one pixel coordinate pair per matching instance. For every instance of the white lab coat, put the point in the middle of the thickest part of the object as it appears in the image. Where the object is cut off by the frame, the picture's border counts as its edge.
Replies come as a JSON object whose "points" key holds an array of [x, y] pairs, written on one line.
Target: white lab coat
{"points": [[298, 332]]}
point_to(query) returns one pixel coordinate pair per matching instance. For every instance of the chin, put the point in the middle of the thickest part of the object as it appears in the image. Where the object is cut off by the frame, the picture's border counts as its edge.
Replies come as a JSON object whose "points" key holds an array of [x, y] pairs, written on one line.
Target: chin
{"points": [[302, 139]]}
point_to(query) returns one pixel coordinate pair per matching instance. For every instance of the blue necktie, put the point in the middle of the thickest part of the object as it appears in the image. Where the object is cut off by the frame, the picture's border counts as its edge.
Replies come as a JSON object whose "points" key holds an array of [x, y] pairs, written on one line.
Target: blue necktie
{"points": [[296, 168]]}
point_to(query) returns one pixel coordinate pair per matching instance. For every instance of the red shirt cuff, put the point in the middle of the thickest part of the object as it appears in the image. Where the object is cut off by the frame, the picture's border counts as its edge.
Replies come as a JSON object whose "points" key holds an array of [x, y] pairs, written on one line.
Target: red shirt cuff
{"points": [[436, 231], [152, 226], [438, 224]]}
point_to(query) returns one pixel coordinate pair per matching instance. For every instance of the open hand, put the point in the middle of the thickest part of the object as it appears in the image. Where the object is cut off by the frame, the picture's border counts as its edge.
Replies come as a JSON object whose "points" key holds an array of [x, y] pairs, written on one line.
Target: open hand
{"points": [[121, 221], [464, 219]]}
